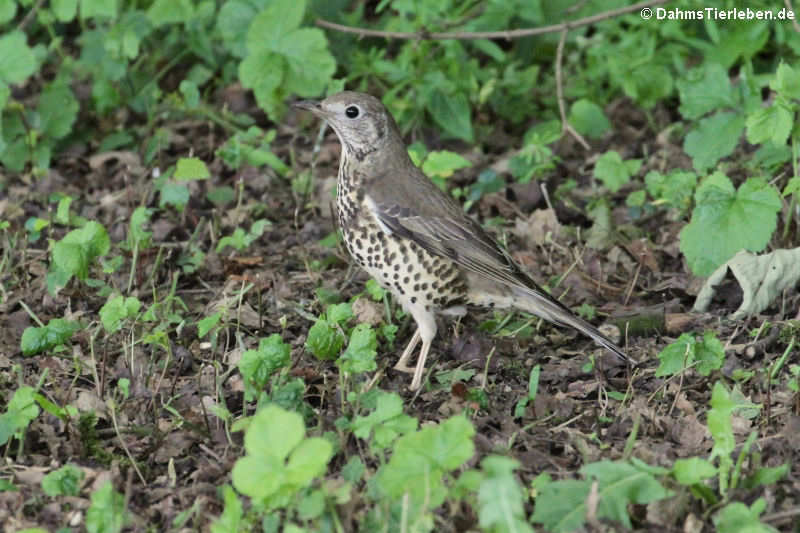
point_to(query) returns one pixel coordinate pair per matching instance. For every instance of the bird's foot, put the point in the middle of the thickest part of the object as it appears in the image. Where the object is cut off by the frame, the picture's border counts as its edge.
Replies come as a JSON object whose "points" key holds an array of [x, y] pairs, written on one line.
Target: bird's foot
{"points": [[402, 367]]}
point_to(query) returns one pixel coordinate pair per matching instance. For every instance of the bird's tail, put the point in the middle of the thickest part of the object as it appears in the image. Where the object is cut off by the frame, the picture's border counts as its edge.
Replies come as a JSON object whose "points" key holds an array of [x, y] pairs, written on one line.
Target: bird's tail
{"points": [[541, 304]]}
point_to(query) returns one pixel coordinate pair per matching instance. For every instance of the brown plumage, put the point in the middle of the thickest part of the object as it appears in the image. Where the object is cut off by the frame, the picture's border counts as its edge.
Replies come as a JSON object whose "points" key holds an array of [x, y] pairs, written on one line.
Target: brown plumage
{"points": [[414, 239]]}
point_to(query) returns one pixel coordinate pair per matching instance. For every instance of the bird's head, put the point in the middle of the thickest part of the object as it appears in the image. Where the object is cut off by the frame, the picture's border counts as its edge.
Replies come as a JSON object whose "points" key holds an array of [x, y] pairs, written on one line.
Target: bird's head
{"points": [[361, 121]]}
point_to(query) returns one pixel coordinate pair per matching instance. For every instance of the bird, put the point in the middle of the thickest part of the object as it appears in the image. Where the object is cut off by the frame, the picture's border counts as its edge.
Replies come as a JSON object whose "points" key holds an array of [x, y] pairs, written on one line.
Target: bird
{"points": [[415, 240]]}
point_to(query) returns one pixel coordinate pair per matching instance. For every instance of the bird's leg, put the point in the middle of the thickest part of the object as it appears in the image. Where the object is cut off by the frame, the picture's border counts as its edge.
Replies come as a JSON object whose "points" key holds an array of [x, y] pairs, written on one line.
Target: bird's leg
{"points": [[423, 355], [401, 363], [426, 331]]}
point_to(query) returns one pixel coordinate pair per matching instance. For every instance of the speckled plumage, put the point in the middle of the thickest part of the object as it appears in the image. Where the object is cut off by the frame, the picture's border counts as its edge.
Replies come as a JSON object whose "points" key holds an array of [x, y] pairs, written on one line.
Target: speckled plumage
{"points": [[414, 239]]}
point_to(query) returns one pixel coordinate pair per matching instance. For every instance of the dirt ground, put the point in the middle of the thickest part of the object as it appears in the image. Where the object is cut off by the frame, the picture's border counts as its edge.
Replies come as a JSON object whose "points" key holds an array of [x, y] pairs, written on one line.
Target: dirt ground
{"points": [[582, 413]]}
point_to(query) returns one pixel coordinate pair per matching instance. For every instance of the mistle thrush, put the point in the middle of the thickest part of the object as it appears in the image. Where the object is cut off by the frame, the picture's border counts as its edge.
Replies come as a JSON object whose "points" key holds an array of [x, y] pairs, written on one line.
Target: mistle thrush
{"points": [[414, 239]]}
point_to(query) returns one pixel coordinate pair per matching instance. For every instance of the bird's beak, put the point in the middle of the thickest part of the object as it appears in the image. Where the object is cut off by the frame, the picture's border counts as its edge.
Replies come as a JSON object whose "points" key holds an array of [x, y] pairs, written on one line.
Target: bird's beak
{"points": [[309, 105]]}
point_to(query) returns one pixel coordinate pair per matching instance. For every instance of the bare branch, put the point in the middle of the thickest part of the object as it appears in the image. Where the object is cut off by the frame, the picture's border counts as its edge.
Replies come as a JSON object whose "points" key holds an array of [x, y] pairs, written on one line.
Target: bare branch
{"points": [[506, 34]]}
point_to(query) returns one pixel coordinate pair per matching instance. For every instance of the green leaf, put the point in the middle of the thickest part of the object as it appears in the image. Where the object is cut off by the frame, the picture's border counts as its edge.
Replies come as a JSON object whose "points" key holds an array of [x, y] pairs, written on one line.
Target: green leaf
{"points": [[613, 171], [452, 113], [233, 20], [66, 481], [17, 60], [117, 309], [738, 518], [283, 59], [279, 18], [375, 291], [170, 12], [766, 476], [719, 422], [588, 119], [620, 484], [676, 356], [361, 351], [221, 196], [231, 519], [442, 164], [173, 194], [264, 474], [20, 412], [792, 186], [692, 470], [714, 137], [37, 340], [137, 236], [190, 93], [73, 254], [92, 237], [64, 10], [263, 71], [709, 354], [256, 366], [58, 109], [8, 9], [311, 65], [501, 500], [674, 189], [773, 123], [786, 82], [725, 221], [421, 459], [208, 323], [106, 513], [191, 168], [98, 9], [705, 89], [324, 340], [385, 424], [560, 505], [340, 313]]}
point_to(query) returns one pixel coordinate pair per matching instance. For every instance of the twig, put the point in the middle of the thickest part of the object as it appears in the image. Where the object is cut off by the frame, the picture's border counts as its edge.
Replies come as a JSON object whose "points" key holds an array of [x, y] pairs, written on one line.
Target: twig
{"points": [[788, 5], [633, 283], [29, 15], [566, 127], [473, 35]]}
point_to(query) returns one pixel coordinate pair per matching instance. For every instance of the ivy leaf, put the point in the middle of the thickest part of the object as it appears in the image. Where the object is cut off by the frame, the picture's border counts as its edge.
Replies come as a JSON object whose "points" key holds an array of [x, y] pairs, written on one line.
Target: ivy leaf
{"points": [[283, 58], [705, 89], [714, 137], [726, 220], [771, 123], [421, 459]]}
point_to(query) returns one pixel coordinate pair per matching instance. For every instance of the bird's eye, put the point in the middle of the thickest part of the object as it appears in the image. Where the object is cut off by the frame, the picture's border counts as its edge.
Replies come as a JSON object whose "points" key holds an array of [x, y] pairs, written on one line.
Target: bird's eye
{"points": [[351, 112]]}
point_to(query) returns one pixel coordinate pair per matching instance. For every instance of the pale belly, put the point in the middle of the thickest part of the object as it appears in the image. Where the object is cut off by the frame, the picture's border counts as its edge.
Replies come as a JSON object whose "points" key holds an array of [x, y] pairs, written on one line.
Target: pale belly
{"points": [[415, 277]]}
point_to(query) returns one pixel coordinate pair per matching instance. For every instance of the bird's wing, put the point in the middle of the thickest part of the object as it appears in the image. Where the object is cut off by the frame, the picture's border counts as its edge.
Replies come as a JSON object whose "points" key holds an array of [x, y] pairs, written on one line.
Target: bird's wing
{"points": [[452, 235], [419, 211]]}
